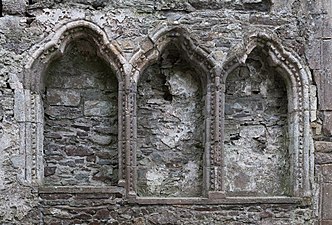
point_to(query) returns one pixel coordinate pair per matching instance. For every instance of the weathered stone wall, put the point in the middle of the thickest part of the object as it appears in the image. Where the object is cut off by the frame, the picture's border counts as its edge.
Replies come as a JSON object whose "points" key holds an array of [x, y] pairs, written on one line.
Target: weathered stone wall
{"points": [[170, 129], [256, 130], [108, 209], [220, 29], [81, 113]]}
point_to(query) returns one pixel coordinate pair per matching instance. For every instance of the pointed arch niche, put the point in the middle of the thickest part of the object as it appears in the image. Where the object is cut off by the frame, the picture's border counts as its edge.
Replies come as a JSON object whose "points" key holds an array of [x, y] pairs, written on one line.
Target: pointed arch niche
{"points": [[173, 86], [267, 144], [73, 111], [170, 128]]}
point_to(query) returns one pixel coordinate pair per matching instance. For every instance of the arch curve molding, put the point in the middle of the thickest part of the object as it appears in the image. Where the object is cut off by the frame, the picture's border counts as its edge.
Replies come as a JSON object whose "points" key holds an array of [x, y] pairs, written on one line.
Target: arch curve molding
{"points": [[29, 99], [298, 82], [148, 53]]}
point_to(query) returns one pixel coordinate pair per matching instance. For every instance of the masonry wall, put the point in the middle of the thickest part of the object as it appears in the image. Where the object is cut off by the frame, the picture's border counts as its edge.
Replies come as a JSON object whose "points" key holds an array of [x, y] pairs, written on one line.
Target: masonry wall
{"points": [[80, 108], [89, 189], [257, 151], [170, 129]]}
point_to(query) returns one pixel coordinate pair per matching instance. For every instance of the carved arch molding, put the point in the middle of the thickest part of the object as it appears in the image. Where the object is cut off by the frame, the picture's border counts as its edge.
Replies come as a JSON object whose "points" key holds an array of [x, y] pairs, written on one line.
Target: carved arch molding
{"points": [[213, 78]]}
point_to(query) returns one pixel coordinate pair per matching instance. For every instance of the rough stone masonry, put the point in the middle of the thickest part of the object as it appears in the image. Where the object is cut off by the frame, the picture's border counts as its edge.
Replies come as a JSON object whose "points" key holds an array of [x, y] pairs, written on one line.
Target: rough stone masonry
{"points": [[166, 112]]}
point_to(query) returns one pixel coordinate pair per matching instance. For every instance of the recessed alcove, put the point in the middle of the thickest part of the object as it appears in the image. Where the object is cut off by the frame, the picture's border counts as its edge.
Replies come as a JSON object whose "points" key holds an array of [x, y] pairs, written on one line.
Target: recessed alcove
{"points": [[80, 118], [170, 128], [256, 133]]}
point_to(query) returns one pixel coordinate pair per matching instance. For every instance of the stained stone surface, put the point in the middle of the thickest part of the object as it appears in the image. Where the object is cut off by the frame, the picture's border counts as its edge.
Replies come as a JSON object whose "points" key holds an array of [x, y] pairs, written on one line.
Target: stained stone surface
{"points": [[80, 119], [80, 145], [256, 130], [170, 129]]}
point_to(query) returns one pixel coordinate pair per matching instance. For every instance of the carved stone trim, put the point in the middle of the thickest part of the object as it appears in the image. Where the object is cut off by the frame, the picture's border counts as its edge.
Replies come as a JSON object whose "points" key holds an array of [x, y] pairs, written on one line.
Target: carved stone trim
{"points": [[39, 58], [80, 190], [148, 53], [298, 83], [222, 201]]}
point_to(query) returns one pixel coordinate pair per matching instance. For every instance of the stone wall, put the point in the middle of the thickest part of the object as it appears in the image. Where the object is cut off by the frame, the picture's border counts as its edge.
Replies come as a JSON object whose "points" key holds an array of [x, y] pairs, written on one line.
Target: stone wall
{"points": [[170, 129], [80, 105], [256, 130], [91, 90]]}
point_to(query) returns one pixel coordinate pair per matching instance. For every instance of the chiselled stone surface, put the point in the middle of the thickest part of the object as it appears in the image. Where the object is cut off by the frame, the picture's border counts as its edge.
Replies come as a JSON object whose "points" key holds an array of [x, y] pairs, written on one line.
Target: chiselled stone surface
{"points": [[80, 143], [256, 135], [170, 129]]}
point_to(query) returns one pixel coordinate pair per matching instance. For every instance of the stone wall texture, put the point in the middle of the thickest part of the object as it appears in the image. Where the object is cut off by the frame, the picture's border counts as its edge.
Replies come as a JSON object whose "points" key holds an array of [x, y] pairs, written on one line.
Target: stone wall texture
{"points": [[166, 112]]}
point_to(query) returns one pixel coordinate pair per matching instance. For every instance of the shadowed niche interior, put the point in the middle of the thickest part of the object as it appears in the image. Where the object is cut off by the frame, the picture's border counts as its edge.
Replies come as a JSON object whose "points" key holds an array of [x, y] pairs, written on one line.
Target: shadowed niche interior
{"points": [[170, 120], [81, 119], [257, 158]]}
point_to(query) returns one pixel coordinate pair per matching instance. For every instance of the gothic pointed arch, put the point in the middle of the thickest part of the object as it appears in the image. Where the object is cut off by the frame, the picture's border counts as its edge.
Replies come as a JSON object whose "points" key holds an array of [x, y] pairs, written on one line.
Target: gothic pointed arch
{"points": [[70, 38], [281, 67], [171, 53]]}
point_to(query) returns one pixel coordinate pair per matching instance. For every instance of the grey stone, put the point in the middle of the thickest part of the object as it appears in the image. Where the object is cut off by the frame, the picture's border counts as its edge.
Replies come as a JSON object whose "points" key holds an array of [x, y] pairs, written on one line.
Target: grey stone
{"points": [[327, 201], [77, 46], [63, 97], [98, 108], [327, 124], [323, 146]]}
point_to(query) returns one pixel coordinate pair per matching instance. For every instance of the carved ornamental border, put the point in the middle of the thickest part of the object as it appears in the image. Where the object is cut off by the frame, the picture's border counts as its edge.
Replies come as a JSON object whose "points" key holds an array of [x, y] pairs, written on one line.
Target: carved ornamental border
{"points": [[32, 118], [30, 115], [297, 78], [149, 53]]}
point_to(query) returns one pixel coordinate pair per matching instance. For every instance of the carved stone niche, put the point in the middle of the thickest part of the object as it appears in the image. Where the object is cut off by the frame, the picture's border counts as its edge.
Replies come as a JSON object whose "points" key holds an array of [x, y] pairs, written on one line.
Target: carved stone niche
{"points": [[267, 147], [72, 121], [172, 121]]}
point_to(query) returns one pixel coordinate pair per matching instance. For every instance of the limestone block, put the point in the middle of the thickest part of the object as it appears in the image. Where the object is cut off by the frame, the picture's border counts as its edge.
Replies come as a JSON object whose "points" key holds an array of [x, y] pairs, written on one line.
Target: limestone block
{"points": [[323, 146], [14, 7], [327, 123], [327, 201], [327, 172], [63, 112], [78, 151], [324, 79], [323, 158], [101, 139], [97, 108], [63, 97]]}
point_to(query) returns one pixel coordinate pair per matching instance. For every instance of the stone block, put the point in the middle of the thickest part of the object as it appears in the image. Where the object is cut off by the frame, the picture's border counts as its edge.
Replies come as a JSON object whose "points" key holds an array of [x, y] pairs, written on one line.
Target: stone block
{"points": [[63, 97], [327, 174], [323, 146], [14, 7], [78, 151], [323, 77], [327, 53], [101, 139], [63, 112], [327, 202], [323, 158], [327, 122], [98, 108]]}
